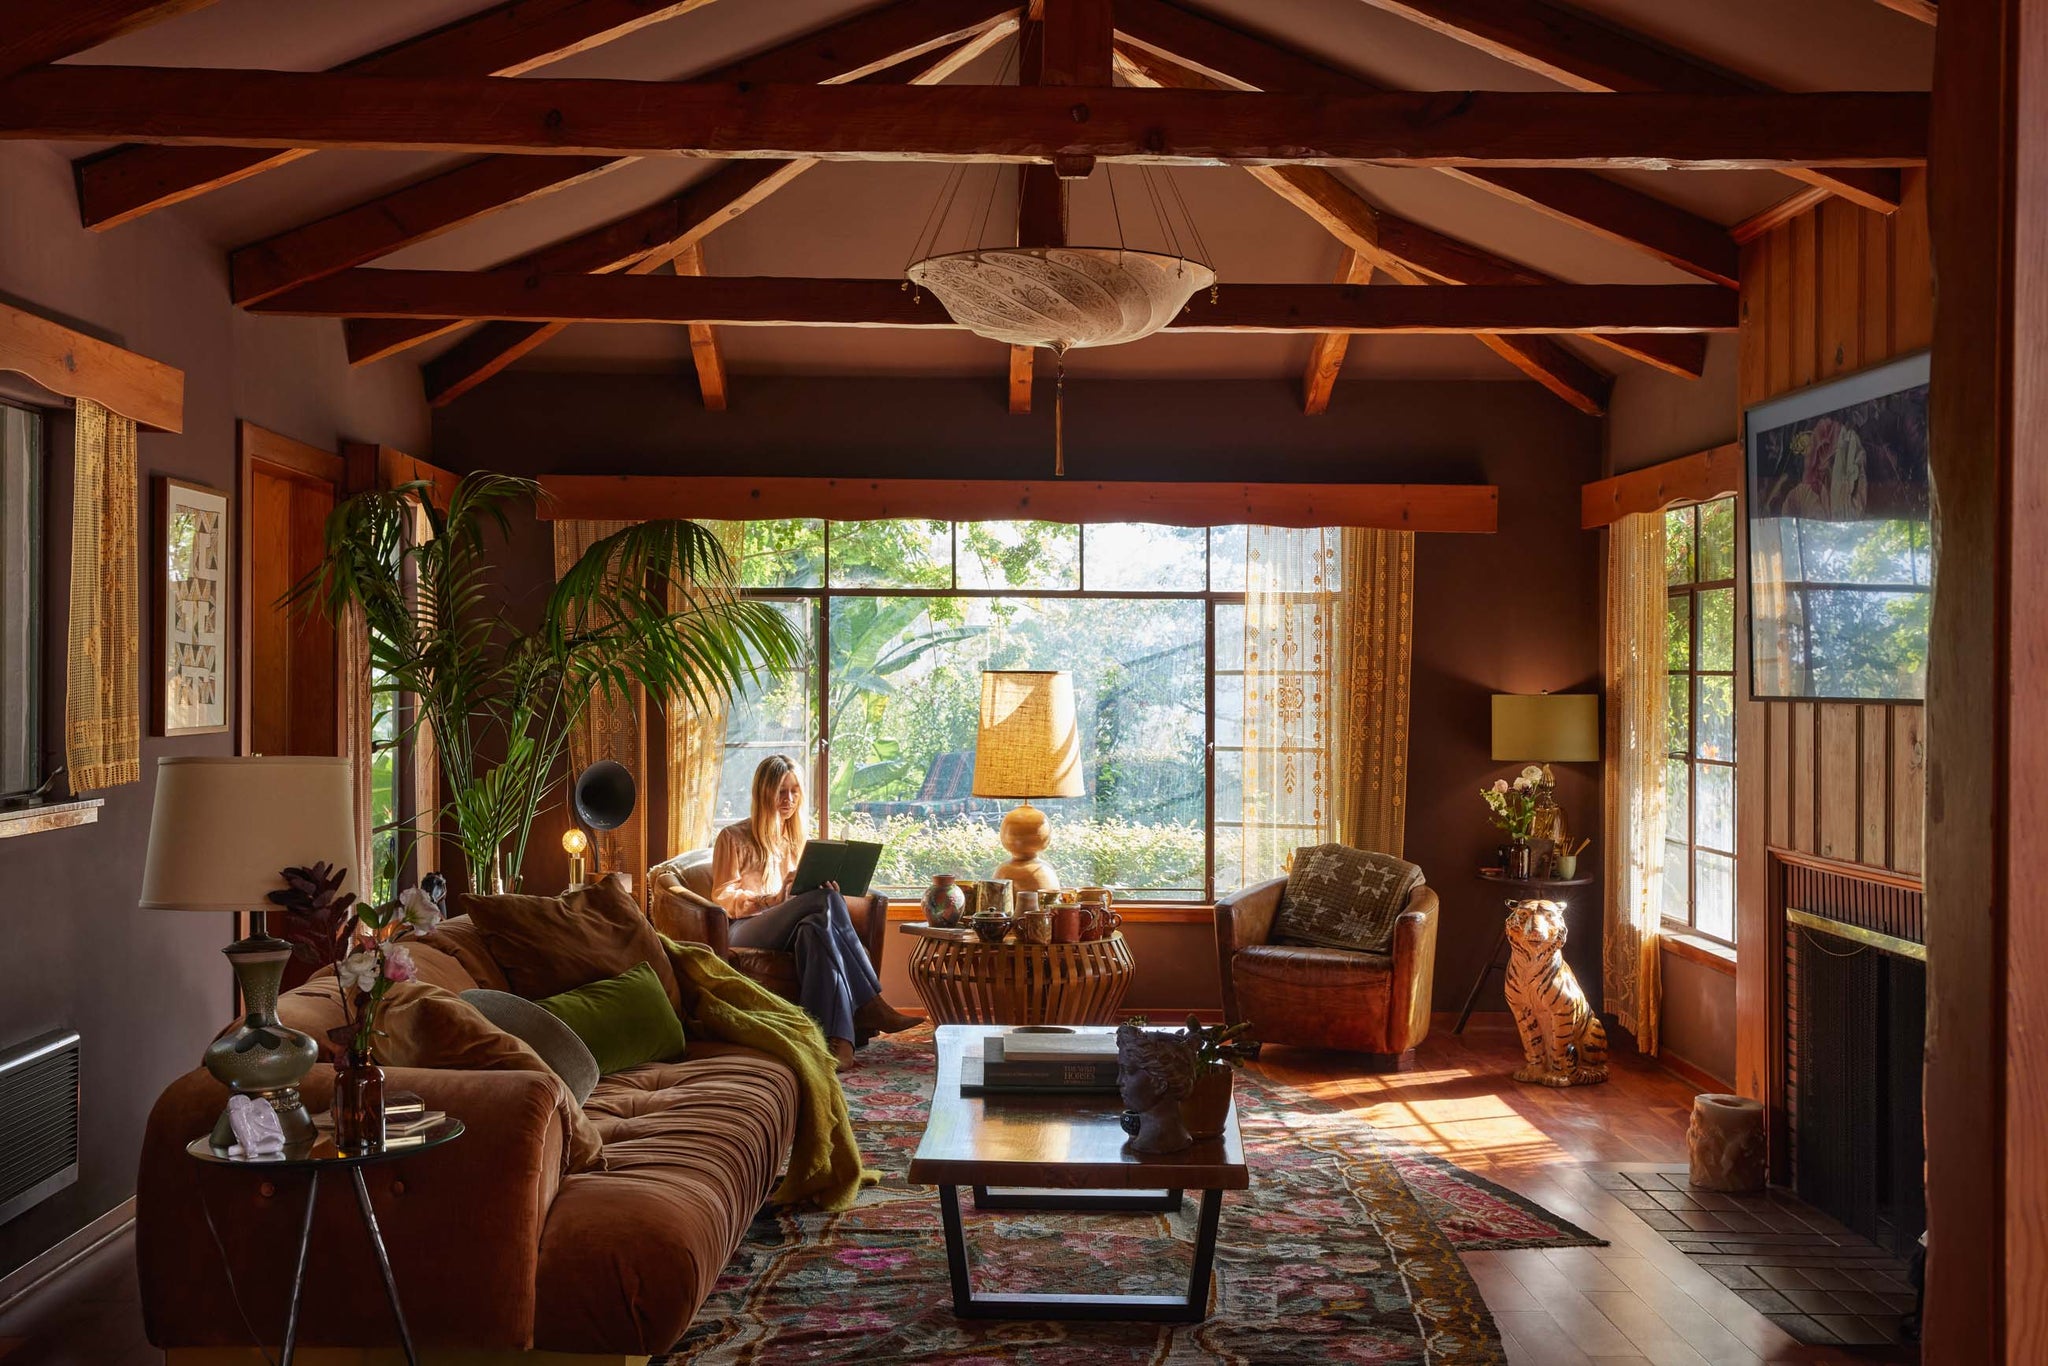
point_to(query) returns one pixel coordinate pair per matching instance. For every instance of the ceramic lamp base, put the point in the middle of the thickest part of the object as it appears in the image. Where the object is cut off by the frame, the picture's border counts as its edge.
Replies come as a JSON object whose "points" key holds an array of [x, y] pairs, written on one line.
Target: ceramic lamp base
{"points": [[1025, 834], [260, 1057]]}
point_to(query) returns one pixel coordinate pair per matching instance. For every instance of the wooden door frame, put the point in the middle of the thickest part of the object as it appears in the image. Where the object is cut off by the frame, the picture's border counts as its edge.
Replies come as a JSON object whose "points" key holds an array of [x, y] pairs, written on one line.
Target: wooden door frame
{"points": [[1987, 723], [295, 459]]}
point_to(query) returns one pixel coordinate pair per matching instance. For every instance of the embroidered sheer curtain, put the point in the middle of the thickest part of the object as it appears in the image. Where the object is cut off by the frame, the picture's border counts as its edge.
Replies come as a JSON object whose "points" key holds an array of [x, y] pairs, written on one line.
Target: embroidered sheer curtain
{"points": [[610, 725], [102, 696], [1635, 773], [696, 734]]}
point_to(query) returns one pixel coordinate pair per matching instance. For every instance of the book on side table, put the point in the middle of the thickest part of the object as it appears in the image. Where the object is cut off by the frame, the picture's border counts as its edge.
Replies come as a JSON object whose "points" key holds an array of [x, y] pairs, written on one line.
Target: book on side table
{"points": [[1055, 1059]]}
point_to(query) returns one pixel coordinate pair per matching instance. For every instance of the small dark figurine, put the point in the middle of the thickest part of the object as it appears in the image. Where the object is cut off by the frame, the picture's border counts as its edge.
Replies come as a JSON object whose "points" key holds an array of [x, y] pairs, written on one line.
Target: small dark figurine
{"points": [[436, 888], [1155, 1072]]}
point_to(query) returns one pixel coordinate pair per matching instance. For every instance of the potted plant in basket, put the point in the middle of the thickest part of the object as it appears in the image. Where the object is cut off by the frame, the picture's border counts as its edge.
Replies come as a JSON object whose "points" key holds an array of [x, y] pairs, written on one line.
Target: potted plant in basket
{"points": [[1513, 807], [364, 945], [1220, 1049]]}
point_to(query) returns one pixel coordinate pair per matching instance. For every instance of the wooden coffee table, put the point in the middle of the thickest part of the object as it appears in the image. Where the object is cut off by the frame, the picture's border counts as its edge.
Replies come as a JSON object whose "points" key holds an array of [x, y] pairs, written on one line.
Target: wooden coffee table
{"points": [[1067, 1152]]}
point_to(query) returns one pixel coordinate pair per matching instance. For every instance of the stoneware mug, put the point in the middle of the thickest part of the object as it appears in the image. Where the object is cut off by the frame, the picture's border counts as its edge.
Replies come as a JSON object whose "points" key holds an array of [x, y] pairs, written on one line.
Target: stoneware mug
{"points": [[1035, 926], [1066, 923]]}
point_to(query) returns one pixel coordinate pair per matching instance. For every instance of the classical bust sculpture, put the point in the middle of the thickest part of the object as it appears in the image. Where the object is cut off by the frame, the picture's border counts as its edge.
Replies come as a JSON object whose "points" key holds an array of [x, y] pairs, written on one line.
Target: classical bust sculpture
{"points": [[1154, 1074]]}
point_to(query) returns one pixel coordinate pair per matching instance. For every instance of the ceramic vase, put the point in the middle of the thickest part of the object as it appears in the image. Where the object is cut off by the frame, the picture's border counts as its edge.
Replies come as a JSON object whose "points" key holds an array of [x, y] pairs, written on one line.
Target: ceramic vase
{"points": [[1207, 1109], [944, 902], [358, 1103]]}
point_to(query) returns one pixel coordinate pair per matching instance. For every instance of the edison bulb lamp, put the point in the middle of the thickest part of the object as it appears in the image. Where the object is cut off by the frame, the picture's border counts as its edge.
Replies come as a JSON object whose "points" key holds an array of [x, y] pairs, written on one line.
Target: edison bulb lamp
{"points": [[576, 845]]}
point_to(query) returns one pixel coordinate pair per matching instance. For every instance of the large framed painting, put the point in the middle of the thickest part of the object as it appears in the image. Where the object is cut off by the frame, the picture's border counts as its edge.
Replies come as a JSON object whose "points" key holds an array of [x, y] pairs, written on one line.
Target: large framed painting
{"points": [[192, 609], [1840, 551]]}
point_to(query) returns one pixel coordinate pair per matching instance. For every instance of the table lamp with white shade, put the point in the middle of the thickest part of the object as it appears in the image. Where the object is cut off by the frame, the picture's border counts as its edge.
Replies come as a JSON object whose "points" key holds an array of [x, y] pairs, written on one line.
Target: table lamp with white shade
{"points": [[1028, 746], [221, 834]]}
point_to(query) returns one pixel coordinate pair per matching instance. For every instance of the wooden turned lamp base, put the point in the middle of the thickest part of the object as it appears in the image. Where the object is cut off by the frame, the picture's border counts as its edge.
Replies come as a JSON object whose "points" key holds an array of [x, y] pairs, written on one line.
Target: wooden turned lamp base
{"points": [[1026, 833]]}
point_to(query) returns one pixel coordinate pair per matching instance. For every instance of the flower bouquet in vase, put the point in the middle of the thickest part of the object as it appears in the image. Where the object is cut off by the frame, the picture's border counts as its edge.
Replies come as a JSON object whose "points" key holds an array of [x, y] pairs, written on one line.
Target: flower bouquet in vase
{"points": [[364, 945], [1513, 808]]}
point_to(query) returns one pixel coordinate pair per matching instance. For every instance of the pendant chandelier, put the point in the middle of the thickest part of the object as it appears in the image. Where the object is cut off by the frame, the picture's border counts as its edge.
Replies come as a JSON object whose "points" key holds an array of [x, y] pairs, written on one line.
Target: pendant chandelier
{"points": [[1063, 297]]}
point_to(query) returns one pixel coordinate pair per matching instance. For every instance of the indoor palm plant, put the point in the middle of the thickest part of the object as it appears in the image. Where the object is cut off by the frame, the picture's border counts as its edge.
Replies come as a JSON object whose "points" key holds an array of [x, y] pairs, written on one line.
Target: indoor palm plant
{"points": [[655, 604]]}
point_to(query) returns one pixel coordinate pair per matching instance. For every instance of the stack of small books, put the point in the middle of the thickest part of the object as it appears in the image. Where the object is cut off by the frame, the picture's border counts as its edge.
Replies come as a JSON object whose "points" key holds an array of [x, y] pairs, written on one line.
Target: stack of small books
{"points": [[1031, 1059], [407, 1120]]}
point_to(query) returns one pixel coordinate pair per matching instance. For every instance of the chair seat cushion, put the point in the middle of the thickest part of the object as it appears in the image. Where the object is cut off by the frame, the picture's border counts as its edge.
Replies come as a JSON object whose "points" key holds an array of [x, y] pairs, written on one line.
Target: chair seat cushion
{"points": [[1306, 964], [1344, 898], [766, 966]]}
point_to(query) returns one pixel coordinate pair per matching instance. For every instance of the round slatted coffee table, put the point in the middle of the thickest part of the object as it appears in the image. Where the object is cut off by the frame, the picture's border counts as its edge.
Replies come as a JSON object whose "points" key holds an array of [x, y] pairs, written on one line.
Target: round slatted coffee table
{"points": [[967, 981]]}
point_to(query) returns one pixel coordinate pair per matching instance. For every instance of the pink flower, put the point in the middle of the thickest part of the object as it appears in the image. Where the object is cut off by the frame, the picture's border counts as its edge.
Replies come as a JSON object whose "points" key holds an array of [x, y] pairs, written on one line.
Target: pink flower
{"points": [[398, 964], [1500, 784]]}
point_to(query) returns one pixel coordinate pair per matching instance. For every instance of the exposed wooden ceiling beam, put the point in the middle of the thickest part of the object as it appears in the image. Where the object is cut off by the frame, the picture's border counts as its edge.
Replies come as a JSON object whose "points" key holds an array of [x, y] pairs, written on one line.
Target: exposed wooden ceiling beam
{"points": [[1395, 507], [1784, 211], [1077, 40], [777, 301], [117, 186], [1326, 358], [961, 123], [1234, 59], [1926, 11], [704, 350], [1589, 55], [1041, 192], [492, 348], [39, 31], [872, 44]]}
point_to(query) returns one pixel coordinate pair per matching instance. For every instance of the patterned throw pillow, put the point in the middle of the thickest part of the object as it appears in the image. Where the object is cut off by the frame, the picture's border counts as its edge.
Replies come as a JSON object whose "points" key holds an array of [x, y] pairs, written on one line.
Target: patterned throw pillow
{"points": [[1338, 897]]}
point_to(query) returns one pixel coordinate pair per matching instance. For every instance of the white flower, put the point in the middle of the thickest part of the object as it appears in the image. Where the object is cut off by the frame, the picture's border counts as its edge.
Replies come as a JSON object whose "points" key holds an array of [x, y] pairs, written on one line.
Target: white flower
{"points": [[1523, 784], [358, 971], [419, 909], [1533, 773]]}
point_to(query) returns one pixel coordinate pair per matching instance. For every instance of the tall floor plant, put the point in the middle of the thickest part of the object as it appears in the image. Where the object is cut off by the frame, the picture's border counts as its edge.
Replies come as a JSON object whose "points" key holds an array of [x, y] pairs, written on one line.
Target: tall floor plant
{"points": [[500, 699]]}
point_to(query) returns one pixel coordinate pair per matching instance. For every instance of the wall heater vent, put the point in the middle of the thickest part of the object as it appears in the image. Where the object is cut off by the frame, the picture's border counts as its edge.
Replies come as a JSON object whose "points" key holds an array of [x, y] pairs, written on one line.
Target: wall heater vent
{"points": [[38, 1121]]}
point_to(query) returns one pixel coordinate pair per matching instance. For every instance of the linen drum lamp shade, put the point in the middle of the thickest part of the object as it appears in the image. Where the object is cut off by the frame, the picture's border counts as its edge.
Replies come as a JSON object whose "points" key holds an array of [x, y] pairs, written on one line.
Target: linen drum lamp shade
{"points": [[1028, 746], [221, 834], [1559, 728]]}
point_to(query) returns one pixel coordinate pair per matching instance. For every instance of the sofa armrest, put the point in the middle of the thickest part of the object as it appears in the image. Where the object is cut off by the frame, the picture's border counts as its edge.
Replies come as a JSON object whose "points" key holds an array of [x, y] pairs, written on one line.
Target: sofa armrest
{"points": [[1414, 946], [684, 916], [462, 1222]]}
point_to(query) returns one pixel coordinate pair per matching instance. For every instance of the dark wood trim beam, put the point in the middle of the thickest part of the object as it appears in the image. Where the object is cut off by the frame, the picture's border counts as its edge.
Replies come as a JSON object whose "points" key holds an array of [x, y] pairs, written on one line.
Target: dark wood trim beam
{"points": [[120, 185], [1326, 358], [783, 301], [871, 45], [954, 123], [39, 31], [1154, 31], [1589, 55], [1077, 37], [705, 354], [1694, 478], [1926, 11], [1471, 508]]}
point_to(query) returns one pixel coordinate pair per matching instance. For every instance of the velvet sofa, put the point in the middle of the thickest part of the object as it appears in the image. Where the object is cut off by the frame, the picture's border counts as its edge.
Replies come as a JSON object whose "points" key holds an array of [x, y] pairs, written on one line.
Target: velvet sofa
{"points": [[501, 1252], [1372, 1003]]}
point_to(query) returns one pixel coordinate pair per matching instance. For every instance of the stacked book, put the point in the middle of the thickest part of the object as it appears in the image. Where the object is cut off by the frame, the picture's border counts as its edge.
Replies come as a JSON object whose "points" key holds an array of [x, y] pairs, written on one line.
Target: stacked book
{"points": [[407, 1120], [1034, 1060]]}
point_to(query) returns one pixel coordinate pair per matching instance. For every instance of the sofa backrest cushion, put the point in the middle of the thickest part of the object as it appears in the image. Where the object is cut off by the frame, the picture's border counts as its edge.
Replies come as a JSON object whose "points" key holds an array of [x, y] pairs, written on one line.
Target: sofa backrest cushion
{"points": [[459, 938], [1339, 897], [546, 945], [566, 1055], [625, 1020]]}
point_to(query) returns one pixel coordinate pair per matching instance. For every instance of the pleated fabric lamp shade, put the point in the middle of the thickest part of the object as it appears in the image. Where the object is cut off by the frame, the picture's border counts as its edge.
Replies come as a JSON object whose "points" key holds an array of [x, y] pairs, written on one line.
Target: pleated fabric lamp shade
{"points": [[1028, 746]]}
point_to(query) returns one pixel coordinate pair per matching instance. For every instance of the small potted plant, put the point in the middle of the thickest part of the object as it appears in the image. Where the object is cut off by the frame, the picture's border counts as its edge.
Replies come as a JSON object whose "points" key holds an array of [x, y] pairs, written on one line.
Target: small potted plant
{"points": [[1220, 1050], [1513, 808]]}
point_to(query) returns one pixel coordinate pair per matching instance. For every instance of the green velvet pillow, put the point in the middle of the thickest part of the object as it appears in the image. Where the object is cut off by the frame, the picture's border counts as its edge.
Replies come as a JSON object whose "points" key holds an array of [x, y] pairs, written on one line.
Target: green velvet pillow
{"points": [[624, 1020]]}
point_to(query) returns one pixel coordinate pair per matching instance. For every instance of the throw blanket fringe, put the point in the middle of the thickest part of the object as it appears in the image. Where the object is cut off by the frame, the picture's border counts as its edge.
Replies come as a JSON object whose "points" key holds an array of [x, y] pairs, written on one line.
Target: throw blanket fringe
{"points": [[719, 1003]]}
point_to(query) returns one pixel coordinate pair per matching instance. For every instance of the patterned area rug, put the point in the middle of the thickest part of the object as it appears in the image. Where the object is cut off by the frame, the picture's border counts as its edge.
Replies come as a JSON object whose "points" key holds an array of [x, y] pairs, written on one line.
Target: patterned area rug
{"points": [[1344, 1250]]}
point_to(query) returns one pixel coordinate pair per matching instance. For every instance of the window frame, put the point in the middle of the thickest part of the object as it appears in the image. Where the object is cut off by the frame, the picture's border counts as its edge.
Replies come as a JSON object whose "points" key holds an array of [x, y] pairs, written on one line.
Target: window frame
{"points": [[1694, 591], [819, 600]]}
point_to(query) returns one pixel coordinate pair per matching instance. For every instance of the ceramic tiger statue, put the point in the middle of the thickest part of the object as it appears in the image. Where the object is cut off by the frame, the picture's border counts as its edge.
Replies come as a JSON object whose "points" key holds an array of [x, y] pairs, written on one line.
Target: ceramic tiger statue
{"points": [[1563, 1041]]}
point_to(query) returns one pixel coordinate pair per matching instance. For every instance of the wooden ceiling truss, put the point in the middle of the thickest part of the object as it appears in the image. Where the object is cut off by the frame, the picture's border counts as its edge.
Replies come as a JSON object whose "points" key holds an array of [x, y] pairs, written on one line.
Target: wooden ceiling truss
{"points": [[872, 88]]}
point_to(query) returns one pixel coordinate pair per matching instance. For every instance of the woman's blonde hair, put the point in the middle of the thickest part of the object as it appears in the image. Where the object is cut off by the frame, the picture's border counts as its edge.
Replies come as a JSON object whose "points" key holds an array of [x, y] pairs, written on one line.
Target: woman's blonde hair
{"points": [[782, 837]]}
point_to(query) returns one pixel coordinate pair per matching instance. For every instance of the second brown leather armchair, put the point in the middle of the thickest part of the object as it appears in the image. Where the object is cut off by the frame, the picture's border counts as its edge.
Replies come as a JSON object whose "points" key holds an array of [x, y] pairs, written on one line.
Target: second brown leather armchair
{"points": [[1372, 1003], [680, 905]]}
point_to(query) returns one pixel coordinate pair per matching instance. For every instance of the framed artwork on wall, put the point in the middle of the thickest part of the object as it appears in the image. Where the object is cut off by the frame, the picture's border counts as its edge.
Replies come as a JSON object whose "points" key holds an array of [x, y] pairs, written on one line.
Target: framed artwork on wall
{"points": [[1840, 538], [192, 604]]}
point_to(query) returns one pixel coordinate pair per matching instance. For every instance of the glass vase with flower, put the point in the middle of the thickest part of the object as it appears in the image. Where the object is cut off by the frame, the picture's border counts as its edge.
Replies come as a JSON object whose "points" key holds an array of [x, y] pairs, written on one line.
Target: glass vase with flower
{"points": [[1512, 805], [364, 944]]}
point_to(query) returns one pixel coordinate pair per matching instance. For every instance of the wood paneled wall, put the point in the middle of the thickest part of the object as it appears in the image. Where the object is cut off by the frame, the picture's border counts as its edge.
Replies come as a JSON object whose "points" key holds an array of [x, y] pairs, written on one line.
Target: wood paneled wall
{"points": [[1835, 290]]}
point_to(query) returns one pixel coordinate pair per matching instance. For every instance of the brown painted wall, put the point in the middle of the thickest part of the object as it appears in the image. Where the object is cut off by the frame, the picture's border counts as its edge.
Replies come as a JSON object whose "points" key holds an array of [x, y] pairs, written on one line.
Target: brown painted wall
{"points": [[146, 990], [1511, 612]]}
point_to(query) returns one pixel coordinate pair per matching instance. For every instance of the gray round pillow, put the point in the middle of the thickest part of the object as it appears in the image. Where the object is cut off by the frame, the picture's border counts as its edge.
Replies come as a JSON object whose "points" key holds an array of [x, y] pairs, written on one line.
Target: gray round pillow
{"points": [[568, 1056]]}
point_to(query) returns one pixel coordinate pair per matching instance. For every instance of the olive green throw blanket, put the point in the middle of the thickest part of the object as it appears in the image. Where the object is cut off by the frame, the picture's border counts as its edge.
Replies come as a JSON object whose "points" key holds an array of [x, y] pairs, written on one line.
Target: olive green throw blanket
{"points": [[719, 1003]]}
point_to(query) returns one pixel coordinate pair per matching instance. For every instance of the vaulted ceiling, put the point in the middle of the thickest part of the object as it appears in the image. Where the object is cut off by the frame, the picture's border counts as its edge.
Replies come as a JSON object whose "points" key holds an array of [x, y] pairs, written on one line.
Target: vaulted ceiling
{"points": [[305, 228]]}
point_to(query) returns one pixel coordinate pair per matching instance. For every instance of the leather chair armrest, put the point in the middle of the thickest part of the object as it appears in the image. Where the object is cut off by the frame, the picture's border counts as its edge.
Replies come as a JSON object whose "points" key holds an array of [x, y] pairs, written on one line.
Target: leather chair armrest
{"points": [[1243, 918], [873, 925], [1409, 1001], [684, 916]]}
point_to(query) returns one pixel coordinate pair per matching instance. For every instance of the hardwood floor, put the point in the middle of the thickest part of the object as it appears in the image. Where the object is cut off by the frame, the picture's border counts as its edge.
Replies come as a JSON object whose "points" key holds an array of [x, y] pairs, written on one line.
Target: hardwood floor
{"points": [[1637, 1301]]}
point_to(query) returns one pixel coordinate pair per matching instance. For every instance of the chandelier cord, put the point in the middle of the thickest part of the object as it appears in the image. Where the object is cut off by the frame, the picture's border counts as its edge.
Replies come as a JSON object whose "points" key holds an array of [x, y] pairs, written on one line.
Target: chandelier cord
{"points": [[1059, 412], [1159, 212], [1109, 176], [1194, 228], [1015, 58]]}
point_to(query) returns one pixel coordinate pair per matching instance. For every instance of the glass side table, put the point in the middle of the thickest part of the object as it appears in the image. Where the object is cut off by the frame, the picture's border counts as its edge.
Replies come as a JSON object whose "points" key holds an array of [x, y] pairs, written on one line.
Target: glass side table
{"points": [[314, 1159]]}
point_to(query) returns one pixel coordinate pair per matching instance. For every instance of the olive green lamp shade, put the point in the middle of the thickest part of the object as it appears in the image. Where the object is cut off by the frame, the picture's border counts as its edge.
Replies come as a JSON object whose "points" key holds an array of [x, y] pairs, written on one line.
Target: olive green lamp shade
{"points": [[1561, 728], [221, 834], [1028, 746]]}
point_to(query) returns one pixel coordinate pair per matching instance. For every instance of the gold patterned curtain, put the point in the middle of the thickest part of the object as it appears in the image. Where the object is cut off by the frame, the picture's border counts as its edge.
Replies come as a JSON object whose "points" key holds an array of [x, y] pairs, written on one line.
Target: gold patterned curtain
{"points": [[1634, 773], [1375, 648], [357, 732], [102, 696], [610, 726], [696, 734], [1292, 616]]}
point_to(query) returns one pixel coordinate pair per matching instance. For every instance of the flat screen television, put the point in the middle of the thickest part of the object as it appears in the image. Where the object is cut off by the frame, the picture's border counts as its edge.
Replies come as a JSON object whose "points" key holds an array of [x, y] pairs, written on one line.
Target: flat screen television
{"points": [[1840, 538]]}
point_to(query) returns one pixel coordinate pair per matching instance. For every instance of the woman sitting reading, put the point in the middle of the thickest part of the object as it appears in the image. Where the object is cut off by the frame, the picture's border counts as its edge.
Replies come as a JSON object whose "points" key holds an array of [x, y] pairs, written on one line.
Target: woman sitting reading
{"points": [[753, 871]]}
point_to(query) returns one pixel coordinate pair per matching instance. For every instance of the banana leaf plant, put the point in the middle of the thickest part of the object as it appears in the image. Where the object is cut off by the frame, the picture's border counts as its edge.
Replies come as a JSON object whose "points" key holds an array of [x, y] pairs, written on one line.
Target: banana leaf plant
{"points": [[499, 698]]}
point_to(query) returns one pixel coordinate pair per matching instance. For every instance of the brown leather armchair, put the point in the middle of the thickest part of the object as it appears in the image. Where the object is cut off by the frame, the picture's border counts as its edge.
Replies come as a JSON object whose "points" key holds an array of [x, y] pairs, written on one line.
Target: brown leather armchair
{"points": [[1372, 1003], [681, 907]]}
